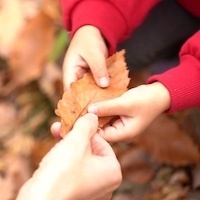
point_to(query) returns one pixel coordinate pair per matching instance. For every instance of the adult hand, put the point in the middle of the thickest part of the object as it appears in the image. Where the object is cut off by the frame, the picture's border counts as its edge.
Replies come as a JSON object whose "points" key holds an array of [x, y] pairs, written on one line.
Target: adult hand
{"points": [[81, 166], [136, 109], [87, 50]]}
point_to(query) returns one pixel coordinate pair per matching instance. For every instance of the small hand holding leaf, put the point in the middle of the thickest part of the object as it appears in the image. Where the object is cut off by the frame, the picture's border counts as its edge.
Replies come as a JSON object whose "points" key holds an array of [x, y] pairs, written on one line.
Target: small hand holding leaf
{"points": [[85, 91]]}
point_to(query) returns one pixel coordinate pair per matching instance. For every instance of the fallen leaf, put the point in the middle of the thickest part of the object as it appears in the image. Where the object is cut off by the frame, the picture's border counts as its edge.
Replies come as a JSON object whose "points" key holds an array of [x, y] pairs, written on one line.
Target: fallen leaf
{"points": [[8, 114], [13, 17], [31, 49], [168, 143], [40, 149], [137, 167], [30, 8], [51, 82], [53, 10], [193, 195], [11, 23], [169, 184], [195, 173], [180, 177], [85, 91], [188, 120], [13, 175], [123, 196], [174, 192]]}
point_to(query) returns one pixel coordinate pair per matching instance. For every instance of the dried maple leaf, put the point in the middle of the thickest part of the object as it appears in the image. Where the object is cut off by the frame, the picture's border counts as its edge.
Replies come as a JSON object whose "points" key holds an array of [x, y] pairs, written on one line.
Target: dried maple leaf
{"points": [[85, 91]]}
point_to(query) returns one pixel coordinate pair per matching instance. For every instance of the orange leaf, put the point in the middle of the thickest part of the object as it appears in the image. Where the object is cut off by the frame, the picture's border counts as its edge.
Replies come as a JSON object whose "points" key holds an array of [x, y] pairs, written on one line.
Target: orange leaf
{"points": [[12, 21], [85, 91], [31, 50]]}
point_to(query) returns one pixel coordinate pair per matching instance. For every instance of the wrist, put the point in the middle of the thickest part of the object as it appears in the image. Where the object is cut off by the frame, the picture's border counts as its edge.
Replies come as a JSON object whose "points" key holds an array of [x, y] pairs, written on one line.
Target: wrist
{"points": [[163, 99], [94, 36], [47, 186], [88, 30]]}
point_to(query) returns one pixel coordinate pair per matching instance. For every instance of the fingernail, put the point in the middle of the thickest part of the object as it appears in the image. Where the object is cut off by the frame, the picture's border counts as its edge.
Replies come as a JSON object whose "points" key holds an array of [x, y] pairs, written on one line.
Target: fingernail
{"points": [[92, 109], [103, 82]]}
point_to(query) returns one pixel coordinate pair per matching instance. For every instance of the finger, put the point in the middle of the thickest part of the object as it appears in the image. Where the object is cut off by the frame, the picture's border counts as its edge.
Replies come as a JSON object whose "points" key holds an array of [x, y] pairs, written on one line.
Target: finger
{"points": [[111, 107], [101, 147], [85, 127], [78, 139], [73, 69], [97, 64], [121, 130], [55, 130], [68, 71], [111, 134]]}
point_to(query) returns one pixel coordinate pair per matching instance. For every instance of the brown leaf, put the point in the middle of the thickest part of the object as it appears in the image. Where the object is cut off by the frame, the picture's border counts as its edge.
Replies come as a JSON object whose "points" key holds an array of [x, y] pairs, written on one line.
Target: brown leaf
{"points": [[31, 49], [52, 9], [11, 23], [180, 177], [13, 17], [124, 196], [8, 114], [195, 172], [40, 149], [14, 172], [188, 120], [51, 82], [85, 91], [137, 166], [168, 143]]}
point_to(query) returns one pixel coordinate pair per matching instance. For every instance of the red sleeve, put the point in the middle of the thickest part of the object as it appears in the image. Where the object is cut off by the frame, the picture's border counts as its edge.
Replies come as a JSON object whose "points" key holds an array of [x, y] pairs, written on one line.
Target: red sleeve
{"points": [[183, 81], [115, 18], [192, 6]]}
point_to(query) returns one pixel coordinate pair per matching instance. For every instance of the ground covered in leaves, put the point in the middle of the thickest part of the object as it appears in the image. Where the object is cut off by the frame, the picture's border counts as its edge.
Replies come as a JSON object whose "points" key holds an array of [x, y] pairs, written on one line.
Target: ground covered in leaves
{"points": [[160, 164]]}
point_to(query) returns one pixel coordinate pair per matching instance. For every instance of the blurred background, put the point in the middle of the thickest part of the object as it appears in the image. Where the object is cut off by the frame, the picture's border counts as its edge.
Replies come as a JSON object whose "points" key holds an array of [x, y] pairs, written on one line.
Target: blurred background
{"points": [[160, 164]]}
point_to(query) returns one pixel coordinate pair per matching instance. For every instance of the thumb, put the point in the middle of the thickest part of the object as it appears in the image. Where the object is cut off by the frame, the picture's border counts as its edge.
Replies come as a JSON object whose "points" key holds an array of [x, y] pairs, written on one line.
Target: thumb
{"points": [[55, 130], [85, 127], [108, 108]]}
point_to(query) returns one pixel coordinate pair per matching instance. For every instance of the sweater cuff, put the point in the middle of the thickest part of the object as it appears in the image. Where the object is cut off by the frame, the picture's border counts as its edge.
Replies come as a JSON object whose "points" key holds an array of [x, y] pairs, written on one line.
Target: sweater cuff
{"points": [[182, 82], [96, 13]]}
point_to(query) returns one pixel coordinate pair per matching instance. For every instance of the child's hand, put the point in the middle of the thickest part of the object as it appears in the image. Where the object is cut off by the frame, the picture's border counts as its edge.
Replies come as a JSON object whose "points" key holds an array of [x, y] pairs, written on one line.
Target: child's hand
{"points": [[136, 109], [87, 50]]}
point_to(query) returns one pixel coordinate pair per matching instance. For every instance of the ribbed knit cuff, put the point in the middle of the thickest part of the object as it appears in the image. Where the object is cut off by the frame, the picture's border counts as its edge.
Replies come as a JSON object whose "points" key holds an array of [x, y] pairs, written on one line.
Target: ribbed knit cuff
{"points": [[183, 83]]}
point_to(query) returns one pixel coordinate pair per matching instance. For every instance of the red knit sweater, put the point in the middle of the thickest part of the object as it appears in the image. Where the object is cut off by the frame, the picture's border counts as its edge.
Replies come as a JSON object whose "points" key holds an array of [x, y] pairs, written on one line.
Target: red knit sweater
{"points": [[115, 20]]}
